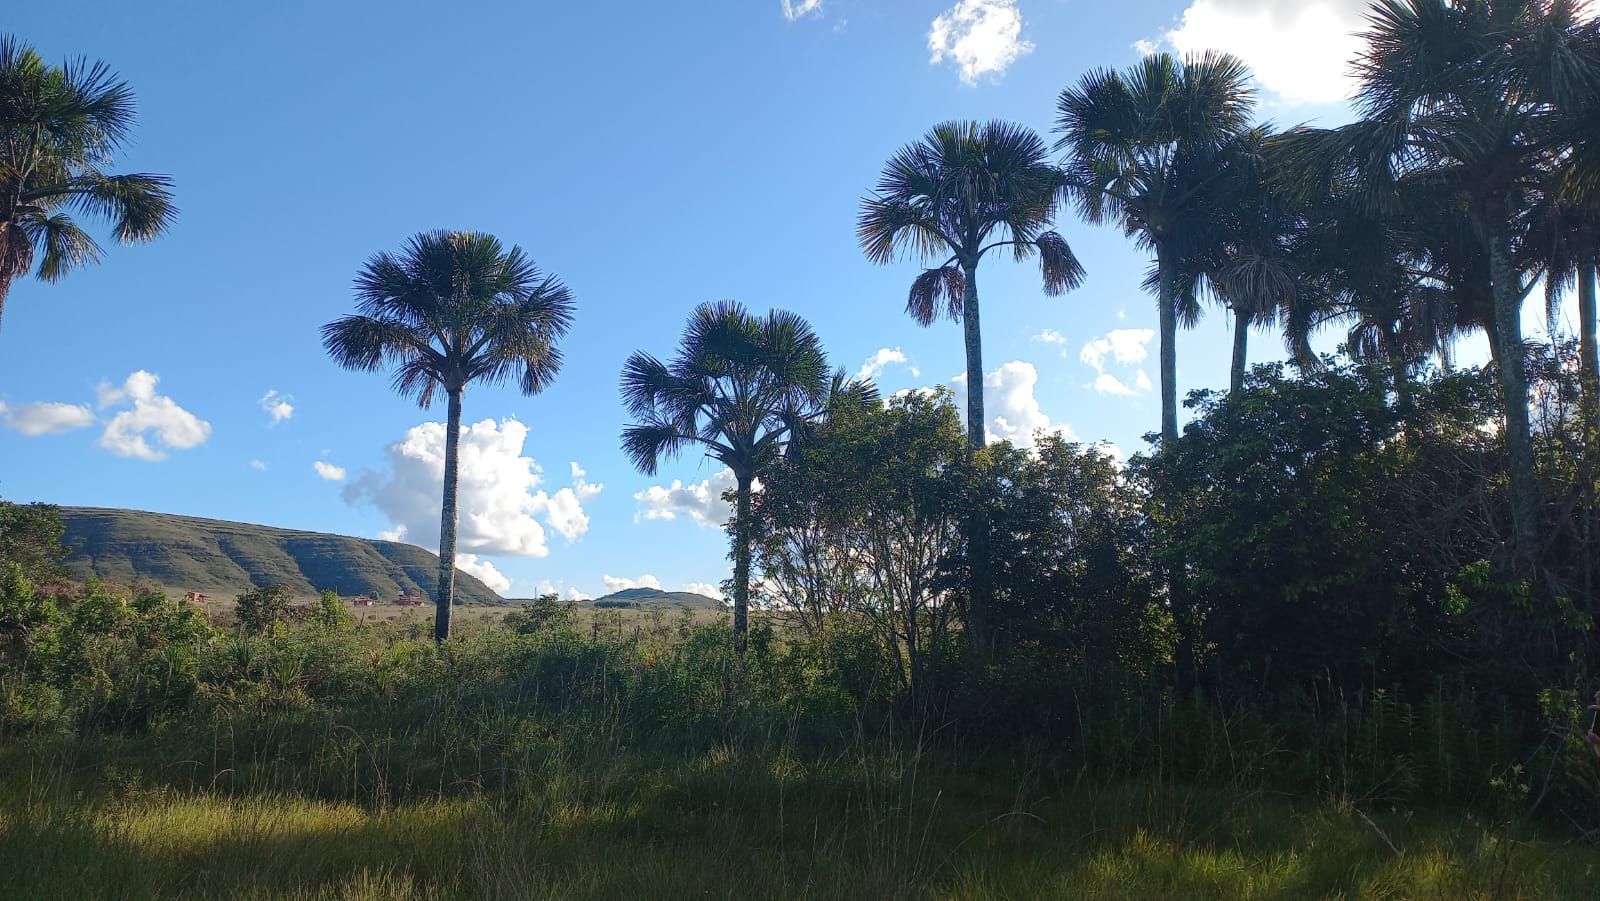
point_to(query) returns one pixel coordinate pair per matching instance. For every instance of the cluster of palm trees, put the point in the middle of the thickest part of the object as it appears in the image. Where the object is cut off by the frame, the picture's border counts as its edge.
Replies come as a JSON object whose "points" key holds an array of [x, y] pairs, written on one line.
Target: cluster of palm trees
{"points": [[1470, 176]]}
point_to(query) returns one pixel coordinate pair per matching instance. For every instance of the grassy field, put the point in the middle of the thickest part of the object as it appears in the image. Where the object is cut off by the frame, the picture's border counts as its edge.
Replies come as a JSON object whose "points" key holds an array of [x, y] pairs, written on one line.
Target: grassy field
{"points": [[719, 825]]}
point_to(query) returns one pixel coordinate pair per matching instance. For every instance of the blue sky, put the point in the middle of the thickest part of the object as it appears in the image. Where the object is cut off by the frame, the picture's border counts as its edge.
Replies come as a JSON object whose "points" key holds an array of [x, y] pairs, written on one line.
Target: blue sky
{"points": [[654, 156]]}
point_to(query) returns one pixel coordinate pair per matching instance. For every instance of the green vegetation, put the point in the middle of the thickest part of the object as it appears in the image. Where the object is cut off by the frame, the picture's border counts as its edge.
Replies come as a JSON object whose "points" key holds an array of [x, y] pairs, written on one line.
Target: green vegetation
{"points": [[1335, 638], [179, 554]]}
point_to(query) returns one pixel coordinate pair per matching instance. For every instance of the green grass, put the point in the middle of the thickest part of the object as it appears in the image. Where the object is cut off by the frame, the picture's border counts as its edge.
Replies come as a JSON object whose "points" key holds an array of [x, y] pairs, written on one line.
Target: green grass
{"points": [[718, 824]]}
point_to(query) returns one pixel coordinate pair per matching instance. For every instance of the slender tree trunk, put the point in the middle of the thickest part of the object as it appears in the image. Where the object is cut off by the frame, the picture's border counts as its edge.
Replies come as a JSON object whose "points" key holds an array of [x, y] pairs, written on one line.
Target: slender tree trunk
{"points": [[1241, 350], [1177, 581], [1588, 353], [1514, 391], [977, 519], [1399, 372], [973, 333], [445, 597], [1168, 317], [741, 560]]}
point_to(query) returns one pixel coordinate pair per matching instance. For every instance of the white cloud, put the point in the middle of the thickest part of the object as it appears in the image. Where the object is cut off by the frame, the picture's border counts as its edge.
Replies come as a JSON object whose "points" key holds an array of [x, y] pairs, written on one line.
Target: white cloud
{"points": [[1050, 336], [701, 502], [1127, 346], [38, 419], [484, 571], [705, 588], [1010, 404], [500, 501], [618, 583], [796, 9], [565, 509], [329, 471], [1300, 51], [156, 415], [560, 589], [279, 407], [982, 36], [874, 365], [258, 465]]}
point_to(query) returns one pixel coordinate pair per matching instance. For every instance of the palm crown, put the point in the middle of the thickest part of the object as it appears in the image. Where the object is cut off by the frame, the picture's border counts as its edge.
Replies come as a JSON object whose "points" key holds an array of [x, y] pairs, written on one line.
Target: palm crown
{"points": [[963, 190], [454, 308], [60, 126], [737, 387]]}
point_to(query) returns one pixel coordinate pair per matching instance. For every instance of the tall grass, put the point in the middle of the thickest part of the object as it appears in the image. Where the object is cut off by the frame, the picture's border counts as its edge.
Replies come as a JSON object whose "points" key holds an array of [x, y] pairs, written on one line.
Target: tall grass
{"points": [[324, 762]]}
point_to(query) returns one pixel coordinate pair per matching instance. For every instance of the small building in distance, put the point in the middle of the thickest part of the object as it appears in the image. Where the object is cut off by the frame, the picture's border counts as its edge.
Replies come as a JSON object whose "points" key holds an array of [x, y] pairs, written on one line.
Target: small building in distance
{"points": [[195, 597], [410, 600], [363, 600]]}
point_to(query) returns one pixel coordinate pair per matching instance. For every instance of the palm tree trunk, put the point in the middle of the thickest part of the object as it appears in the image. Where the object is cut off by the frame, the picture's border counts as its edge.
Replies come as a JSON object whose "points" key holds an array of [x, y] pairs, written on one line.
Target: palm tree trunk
{"points": [[1241, 350], [1514, 391], [1169, 352], [1588, 353], [741, 560], [977, 519], [445, 596], [973, 333], [1177, 584]]}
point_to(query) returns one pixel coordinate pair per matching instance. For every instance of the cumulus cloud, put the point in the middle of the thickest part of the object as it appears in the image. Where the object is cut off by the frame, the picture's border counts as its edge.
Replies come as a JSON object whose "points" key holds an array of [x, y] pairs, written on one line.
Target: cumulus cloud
{"points": [[484, 571], [329, 471], [560, 589], [1125, 347], [705, 588], [874, 365], [278, 406], [701, 501], [797, 9], [38, 419], [151, 418], [619, 583], [1300, 51], [258, 465], [1011, 406], [564, 511], [501, 504], [1050, 336], [981, 36]]}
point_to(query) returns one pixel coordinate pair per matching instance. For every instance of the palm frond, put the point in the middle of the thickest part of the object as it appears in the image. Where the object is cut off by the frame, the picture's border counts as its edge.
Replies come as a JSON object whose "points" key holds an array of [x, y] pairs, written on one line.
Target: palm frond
{"points": [[937, 292]]}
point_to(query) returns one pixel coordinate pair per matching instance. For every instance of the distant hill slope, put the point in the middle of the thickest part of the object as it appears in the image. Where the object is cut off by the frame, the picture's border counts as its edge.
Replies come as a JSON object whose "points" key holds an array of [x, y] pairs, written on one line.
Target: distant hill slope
{"points": [[186, 553], [646, 597]]}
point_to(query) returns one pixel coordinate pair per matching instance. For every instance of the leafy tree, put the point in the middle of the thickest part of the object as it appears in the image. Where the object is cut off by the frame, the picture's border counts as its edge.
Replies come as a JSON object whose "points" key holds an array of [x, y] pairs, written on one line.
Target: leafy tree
{"points": [[60, 127], [331, 613], [867, 524], [1144, 152], [738, 387], [453, 309], [260, 607], [965, 189], [30, 539]]}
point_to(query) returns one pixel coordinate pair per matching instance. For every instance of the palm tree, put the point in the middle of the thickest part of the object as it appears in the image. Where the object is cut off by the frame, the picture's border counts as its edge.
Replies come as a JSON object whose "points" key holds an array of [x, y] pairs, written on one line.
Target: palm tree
{"points": [[60, 126], [739, 387], [963, 190], [1144, 153], [1469, 94], [452, 309]]}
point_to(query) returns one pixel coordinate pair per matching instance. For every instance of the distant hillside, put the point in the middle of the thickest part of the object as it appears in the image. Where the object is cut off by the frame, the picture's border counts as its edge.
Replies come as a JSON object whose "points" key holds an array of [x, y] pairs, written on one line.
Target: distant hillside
{"points": [[646, 597], [185, 553]]}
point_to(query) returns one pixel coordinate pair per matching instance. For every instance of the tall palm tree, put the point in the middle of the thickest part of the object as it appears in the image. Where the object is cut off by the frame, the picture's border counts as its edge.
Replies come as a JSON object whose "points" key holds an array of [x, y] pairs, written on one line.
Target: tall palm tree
{"points": [[965, 189], [60, 126], [739, 387], [1144, 152], [1469, 93], [453, 308]]}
